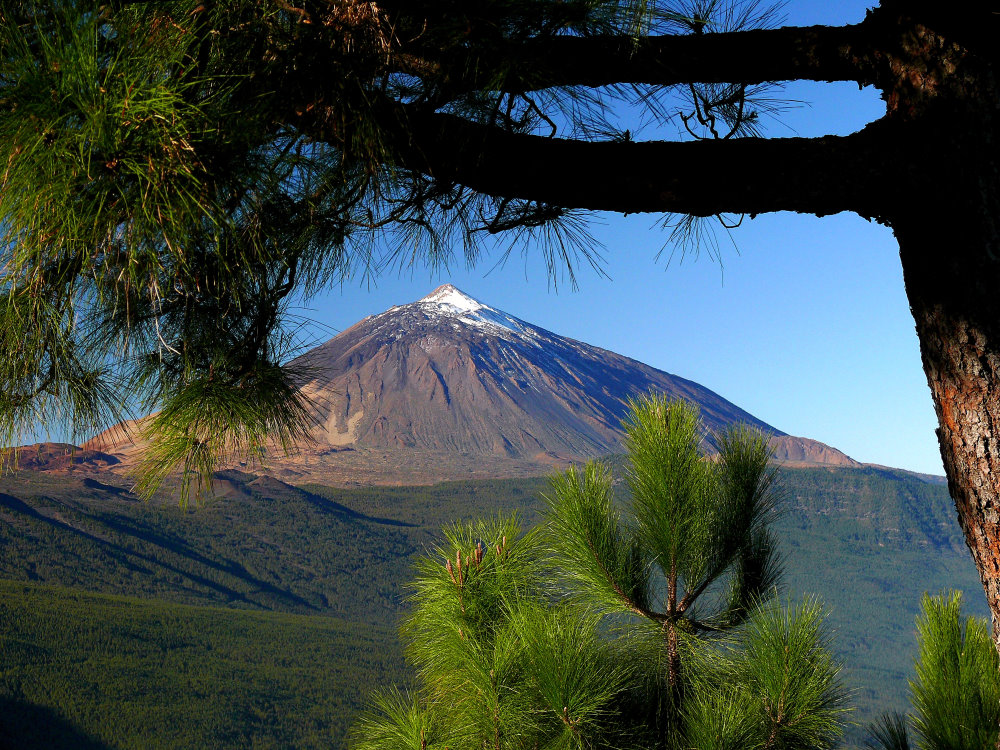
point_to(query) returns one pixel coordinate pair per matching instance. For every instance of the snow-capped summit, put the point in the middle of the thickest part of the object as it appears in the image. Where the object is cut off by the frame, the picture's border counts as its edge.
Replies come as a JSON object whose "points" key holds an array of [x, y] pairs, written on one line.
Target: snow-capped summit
{"points": [[448, 304], [450, 296], [478, 389], [451, 373]]}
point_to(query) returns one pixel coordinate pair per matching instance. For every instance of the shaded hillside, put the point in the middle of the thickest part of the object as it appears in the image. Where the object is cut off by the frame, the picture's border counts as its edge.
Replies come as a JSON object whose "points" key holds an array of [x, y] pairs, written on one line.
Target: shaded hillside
{"points": [[884, 508], [57, 457], [264, 544], [261, 545], [83, 671], [868, 541]]}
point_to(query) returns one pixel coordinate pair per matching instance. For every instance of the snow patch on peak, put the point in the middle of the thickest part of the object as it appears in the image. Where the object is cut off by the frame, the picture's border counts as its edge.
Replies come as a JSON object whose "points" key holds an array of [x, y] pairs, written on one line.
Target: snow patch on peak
{"points": [[446, 294], [450, 301]]}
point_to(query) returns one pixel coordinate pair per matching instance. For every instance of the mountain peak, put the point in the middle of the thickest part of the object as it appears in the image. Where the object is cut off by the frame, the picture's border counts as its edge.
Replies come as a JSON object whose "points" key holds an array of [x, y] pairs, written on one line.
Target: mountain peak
{"points": [[447, 294], [450, 302], [448, 381]]}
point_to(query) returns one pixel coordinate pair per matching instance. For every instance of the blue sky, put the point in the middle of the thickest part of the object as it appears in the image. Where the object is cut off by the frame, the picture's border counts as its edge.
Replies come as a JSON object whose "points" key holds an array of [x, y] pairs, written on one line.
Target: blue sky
{"points": [[805, 324]]}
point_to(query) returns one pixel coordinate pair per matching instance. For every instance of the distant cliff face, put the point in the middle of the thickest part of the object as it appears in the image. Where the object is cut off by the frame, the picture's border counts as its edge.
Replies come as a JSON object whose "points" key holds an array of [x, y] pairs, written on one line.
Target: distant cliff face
{"points": [[450, 373]]}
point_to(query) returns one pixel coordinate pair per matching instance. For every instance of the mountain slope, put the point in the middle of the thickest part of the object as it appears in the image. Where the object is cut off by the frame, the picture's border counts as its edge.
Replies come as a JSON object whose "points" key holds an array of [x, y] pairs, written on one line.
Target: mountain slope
{"points": [[448, 387], [449, 373]]}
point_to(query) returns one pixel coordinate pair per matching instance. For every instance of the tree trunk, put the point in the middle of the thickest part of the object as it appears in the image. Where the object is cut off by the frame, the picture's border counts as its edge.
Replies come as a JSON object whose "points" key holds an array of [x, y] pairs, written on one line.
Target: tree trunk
{"points": [[943, 202], [951, 266], [673, 659]]}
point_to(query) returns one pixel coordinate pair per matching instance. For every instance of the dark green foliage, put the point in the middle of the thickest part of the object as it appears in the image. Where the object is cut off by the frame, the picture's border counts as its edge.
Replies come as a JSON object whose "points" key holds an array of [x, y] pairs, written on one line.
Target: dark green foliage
{"points": [[889, 733], [599, 559], [30, 725], [690, 557], [872, 541], [869, 541], [175, 172], [131, 674], [398, 720], [264, 546], [698, 523], [779, 688], [152, 226], [497, 666], [956, 692], [565, 637]]}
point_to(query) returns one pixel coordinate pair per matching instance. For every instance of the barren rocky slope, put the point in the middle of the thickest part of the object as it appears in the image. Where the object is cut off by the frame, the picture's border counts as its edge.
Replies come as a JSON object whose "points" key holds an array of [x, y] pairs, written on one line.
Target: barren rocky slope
{"points": [[448, 387]]}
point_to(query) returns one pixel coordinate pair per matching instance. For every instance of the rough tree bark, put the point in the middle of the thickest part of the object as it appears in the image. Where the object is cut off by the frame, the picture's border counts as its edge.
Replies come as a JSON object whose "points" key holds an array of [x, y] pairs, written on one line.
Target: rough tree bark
{"points": [[950, 251], [952, 286], [942, 92]]}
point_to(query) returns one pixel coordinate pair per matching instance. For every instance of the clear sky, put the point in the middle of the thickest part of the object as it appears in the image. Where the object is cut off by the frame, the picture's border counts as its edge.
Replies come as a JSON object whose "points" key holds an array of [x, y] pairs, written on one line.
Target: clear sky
{"points": [[805, 324]]}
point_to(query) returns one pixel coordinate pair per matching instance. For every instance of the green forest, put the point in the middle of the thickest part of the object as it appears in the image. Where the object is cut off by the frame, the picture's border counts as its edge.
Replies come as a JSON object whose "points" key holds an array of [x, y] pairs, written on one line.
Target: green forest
{"points": [[299, 592], [93, 670]]}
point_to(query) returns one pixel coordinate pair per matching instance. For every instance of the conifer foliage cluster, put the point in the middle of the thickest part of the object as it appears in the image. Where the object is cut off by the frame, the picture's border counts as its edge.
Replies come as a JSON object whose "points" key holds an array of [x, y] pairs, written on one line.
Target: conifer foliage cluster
{"points": [[152, 222], [955, 694], [174, 174], [656, 627], [163, 196]]}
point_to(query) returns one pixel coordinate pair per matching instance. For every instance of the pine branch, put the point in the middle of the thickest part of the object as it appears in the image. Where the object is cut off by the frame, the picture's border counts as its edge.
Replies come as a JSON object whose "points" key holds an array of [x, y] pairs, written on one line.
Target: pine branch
{"points": [[701, 178], [815, 53]]}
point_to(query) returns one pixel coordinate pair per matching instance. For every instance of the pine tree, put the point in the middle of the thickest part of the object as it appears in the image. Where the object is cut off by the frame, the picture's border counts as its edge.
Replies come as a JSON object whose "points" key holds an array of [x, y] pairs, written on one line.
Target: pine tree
{"points": [[956, 691], [173, 171], [564, 637], [694, 523]]}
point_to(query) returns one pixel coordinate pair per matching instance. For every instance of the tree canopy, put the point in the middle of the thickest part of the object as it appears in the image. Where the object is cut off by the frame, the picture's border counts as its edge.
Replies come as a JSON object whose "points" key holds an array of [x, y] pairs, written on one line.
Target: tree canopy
{"points": [[174, 172], [177, 171], [655, 628], [956, 693]]}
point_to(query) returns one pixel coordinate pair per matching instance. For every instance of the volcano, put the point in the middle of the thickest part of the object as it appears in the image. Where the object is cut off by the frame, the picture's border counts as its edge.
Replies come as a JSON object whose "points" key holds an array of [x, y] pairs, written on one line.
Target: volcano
{"points": [[452, 383], [450, 373]]}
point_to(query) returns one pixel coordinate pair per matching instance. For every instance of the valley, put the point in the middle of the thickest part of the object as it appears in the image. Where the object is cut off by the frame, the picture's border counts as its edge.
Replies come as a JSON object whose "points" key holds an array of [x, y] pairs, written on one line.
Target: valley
{"points": [[270, 585]]}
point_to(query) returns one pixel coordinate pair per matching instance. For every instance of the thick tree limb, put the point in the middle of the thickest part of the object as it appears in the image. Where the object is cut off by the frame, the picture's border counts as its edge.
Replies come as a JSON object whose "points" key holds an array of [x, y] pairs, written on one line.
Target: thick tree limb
{"points": [[815, 53], [702, 178]]}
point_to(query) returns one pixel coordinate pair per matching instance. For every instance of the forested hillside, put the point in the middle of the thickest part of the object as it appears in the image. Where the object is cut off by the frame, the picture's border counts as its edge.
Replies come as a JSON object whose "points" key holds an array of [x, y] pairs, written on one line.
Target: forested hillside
{"points": [[262, 544], [869, 541], [83, 671]]}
